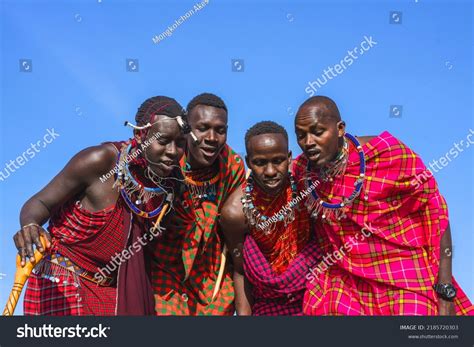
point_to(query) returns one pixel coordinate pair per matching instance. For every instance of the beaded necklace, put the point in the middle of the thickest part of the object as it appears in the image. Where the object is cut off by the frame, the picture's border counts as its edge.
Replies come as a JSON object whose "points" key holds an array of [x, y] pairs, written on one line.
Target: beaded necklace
{"points": [[201, 187], [267, 224], [129, 186], [317, 205]]}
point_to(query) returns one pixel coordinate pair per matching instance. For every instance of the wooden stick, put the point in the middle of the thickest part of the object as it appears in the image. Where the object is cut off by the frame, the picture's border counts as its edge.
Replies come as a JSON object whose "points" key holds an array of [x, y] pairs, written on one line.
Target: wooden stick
{"points": [[220, 276], [221, 273], [21, 276], [160, 217]]}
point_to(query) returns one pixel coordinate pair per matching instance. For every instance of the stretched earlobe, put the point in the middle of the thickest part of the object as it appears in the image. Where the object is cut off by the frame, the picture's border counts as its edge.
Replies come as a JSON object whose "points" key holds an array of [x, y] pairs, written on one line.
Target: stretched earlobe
{"points": [[342, 126]]}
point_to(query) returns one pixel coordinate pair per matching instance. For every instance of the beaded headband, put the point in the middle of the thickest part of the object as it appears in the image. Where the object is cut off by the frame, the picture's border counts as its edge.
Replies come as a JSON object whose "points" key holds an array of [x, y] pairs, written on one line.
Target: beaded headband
{"points": [[182, 124]]}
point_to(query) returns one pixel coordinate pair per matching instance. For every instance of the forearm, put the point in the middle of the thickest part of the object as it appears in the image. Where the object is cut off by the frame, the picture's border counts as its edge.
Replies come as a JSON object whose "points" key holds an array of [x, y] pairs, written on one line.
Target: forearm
{"points": [[243, 300], [445, 259], [34, 211]]}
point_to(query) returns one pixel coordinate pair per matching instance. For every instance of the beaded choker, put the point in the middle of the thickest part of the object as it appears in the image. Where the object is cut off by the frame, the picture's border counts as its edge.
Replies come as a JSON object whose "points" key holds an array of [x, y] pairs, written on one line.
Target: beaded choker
{"points": [[317, 205], [202, 184], [267, 224]]}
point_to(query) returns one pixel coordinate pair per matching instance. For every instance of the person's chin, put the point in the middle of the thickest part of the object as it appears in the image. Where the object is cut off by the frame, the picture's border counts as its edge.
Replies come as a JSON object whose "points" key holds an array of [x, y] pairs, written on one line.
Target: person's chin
{"points": [[162, 170], [317, 162], [273, 188], [208, 160]]}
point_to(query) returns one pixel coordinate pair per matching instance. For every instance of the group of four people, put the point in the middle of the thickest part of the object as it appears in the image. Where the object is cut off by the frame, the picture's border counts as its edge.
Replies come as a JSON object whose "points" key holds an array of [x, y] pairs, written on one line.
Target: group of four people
{"points": [[340, 230]]}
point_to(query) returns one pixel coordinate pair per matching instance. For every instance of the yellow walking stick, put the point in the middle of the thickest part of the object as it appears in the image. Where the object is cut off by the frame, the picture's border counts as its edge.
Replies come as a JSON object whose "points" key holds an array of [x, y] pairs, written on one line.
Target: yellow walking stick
{"points": [[160, 217], [21, 276]]}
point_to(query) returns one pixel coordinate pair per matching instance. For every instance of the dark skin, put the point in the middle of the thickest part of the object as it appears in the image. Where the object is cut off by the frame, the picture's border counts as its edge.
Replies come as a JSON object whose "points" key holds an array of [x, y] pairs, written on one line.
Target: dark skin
{"points": [[81, 178], [209, 124], [319, 133], [269, 159]]}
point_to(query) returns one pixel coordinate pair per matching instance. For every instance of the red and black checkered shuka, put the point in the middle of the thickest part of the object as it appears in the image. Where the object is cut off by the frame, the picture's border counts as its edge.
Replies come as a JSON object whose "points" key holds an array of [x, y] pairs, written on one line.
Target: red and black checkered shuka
{"points": [[89, 240]]}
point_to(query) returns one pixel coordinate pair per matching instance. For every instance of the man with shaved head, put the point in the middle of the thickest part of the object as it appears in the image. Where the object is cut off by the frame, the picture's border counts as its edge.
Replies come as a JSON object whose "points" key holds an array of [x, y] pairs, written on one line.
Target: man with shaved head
{"points": [[386, 242]]}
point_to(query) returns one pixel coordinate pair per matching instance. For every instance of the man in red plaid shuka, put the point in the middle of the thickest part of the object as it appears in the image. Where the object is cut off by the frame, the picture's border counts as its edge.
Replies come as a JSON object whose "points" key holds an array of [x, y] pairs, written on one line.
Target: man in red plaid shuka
{"points": [[267, 218], [386, 240], [95, 262]]}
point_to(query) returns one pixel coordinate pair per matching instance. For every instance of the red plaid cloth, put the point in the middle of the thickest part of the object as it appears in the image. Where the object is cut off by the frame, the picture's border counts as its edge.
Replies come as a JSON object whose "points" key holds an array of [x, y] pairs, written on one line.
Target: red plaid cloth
{"points": [[187, 260], [89, 240], [277, 294], [68, 297], [390, 268]]}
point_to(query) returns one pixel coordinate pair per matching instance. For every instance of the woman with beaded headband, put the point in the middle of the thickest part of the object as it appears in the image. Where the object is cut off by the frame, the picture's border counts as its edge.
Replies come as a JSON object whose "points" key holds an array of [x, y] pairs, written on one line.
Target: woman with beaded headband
{"points": [[384, 240], [100, 208]]}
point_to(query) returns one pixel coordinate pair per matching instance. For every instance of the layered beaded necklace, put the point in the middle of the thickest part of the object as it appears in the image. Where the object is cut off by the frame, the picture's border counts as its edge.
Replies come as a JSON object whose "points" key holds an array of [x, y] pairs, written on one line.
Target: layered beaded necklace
{"points": [[135, 193], [256, 219], [317, 205], [202, 184]]}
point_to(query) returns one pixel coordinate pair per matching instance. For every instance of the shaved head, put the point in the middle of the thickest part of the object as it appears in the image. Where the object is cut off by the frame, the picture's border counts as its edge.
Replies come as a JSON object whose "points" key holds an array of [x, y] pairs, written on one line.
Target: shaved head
{"points": [[319, 130], [322, 107]]}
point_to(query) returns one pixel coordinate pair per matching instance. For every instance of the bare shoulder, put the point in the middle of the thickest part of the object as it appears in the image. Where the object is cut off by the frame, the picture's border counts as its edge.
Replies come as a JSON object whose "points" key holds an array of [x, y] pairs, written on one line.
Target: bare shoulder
{"points": [[95, 160], [364, 139], [231, 212]]}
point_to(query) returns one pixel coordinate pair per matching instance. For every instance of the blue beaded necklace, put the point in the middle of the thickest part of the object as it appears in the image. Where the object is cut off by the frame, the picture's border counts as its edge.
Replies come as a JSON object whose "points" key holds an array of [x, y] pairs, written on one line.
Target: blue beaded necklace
{"points": [[318, 205]]}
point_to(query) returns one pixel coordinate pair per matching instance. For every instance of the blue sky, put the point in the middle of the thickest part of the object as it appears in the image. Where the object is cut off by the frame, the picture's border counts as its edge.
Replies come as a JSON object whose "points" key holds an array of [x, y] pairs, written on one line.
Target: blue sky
{"points": [[78, 84]]}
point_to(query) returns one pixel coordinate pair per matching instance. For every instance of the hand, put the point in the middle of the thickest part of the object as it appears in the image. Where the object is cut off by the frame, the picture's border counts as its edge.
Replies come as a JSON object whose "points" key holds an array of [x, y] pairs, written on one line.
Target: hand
{"points": [[243, 310], [26, 237], [446, 308]]}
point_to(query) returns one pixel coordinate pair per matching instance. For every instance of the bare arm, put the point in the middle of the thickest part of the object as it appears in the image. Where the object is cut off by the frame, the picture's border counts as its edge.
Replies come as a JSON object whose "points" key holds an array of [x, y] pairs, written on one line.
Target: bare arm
{"points": [[445, 271], [78, 176], [234, 227]]}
